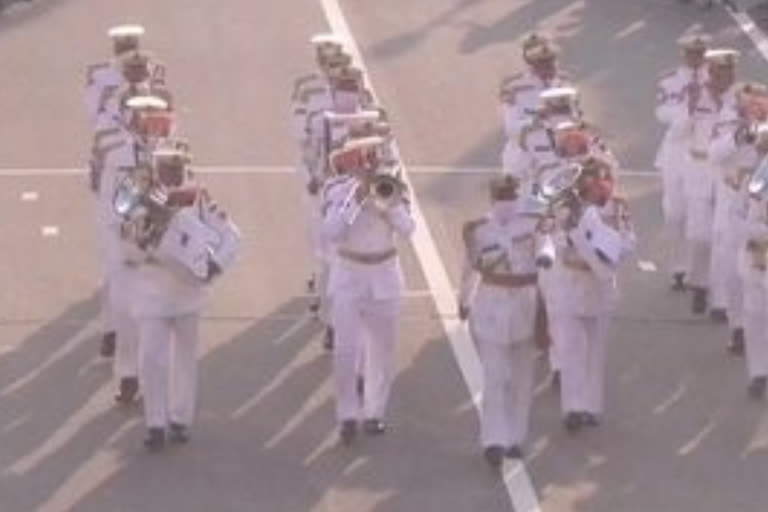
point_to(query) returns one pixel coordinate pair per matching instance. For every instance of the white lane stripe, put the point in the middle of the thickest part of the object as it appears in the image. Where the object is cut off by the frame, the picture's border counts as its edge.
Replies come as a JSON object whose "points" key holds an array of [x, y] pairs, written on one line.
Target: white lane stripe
{"points": [[279, 169], [516, 479], [749, 27]]}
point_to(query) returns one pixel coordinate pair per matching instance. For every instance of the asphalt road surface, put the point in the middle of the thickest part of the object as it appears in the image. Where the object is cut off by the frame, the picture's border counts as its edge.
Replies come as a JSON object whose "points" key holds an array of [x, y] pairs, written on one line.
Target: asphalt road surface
{"points": [[679, 433]]}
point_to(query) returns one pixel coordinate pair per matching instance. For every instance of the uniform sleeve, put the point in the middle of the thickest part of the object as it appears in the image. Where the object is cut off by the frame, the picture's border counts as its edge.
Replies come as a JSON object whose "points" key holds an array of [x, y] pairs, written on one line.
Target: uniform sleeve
{"points": [[402, 220], [341, 209], [469, 276]]}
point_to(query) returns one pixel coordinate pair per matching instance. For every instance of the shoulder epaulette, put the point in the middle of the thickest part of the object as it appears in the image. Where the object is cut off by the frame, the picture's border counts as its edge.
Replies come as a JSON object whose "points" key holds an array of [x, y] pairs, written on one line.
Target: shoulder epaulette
{"points": [[510, 78], [307, 93], [301, 82], [92, 69]]}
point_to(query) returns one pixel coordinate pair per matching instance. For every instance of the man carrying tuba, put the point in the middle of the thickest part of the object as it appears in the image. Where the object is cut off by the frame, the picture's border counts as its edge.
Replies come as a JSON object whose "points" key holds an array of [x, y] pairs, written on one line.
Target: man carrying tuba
{"points": [[597, 238], [182, 241]]}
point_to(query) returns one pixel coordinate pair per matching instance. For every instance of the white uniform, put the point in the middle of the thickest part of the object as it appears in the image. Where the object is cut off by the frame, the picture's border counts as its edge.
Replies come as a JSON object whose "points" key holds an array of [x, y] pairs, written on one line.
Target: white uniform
{"points": [[671, 159], [119, 159], [502, 321], [586, 299], [365, 285], [100, 78], [752, 268], [534, 155], [520, 99], [700, 177], [168, 303], [732, 163]]}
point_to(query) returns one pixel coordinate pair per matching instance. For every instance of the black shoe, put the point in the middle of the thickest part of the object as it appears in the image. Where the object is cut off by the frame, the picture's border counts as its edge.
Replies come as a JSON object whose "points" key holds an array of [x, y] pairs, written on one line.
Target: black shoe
{"points": [[757, 387], [360, 384], [718, 315], [678, 282], [329, 337], [108, 342], [129, 388], [179, 433], [556, 382], [736, 346], [699, 303], [155, 440], [573, 422], [494, 455], [374, 427], [513, 452], [348, 431], [589, 419]]}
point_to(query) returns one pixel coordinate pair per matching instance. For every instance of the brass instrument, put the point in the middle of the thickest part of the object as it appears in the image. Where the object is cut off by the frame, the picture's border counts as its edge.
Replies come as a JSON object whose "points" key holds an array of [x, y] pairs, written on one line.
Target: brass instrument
{"points": [[759, 180]]}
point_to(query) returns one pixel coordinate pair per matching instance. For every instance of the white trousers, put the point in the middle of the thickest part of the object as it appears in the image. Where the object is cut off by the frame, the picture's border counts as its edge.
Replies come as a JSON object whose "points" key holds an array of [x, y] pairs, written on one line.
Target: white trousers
{"points": [[319, 254], [698, 235], [508, 371], [126, 362], [556, 338], [755, 324], [168, 368], [674, 209], [356, 320], [583, 363]]}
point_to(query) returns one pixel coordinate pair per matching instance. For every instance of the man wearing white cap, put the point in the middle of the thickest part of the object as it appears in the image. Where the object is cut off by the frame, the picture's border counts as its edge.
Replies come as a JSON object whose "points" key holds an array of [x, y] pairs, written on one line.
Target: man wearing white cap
{"points": [[519, 93], [500, 298], [125, 38], [363, 216], [120, 154], [673, 153], [697, 116]]}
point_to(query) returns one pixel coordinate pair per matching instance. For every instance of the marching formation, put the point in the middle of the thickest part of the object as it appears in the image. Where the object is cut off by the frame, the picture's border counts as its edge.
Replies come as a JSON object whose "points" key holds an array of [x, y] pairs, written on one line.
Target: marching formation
{"points": [[540, 268], [163, 238], [540, 265], [713, 164]]}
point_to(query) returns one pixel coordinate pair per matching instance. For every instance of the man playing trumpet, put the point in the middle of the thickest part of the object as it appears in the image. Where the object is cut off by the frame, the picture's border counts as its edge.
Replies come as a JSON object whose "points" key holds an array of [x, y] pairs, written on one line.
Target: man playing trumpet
{"points": [[364, 212]]}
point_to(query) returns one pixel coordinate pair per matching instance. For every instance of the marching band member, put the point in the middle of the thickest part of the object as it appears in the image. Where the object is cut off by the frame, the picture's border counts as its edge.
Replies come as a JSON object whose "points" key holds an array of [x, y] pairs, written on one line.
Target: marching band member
{"points": [[671, 155], [519, 93], [324, 131], [598, 237], [500, 298], [555, 136], [125, 38], [120, 154], [753, 261], [182, 241], [733, 155], [363, 215], [697, 115], [100, 77]]}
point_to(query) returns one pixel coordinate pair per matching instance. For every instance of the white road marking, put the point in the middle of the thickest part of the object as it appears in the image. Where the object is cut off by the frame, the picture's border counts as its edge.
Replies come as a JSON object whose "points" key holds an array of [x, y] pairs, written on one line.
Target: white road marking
{"points": [[516, 479], [749, 27], [279, 169], [49, 231]]}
